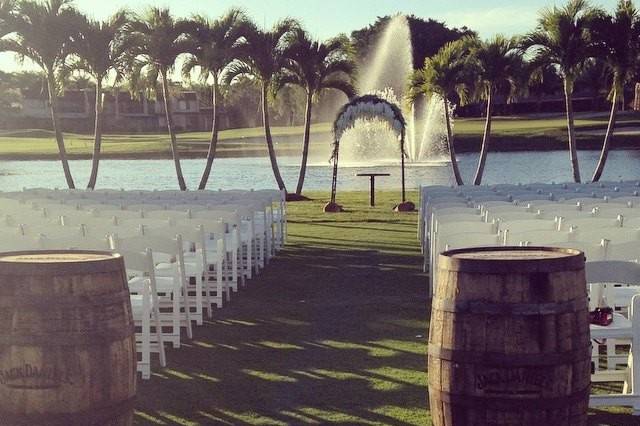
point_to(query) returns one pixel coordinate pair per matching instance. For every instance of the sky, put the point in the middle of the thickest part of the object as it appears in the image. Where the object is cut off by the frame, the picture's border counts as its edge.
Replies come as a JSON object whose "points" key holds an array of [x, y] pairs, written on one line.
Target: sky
{"points": [[327, 18]]}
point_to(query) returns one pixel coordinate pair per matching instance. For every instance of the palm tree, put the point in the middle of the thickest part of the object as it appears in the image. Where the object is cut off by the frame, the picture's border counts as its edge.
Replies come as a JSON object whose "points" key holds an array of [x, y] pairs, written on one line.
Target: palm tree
{"points": [[563, 38], [498, 67], [7, 10], [316, 67], [446, 75], [214, 48], [43, 32], [619, 36], [542, 81], [154, 41], [262, 57], [98, 52]]}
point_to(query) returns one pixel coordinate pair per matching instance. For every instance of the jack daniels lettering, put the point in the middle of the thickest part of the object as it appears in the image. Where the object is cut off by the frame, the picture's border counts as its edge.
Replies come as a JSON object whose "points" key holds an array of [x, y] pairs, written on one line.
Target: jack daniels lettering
{"points": [[30, 376], [512, 382]]}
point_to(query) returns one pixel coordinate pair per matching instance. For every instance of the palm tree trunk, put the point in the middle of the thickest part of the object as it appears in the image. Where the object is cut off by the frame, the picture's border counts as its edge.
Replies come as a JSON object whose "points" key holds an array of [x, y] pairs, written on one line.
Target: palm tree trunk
{"points": [[305, 142], [486, 139], [53, 105], [174, 143], [267, 135], [573, 152], [607, 138], [452, 152], [213, 143], [97, 136]]}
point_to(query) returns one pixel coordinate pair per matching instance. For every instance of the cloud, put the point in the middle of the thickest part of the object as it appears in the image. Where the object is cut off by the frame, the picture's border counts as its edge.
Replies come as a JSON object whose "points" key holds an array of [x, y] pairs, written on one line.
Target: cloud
{"points": [[508, 20]]}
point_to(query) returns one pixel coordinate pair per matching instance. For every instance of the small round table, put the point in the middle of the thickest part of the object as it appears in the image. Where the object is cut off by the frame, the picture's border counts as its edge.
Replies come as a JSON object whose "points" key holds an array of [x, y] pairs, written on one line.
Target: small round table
{"points": [[372, 179]]}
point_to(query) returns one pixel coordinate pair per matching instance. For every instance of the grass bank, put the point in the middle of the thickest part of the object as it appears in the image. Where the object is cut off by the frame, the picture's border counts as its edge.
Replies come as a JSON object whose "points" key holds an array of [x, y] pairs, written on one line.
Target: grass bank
{"points": [[333, 332], [40, 144], [509, 134], [547, 133]]}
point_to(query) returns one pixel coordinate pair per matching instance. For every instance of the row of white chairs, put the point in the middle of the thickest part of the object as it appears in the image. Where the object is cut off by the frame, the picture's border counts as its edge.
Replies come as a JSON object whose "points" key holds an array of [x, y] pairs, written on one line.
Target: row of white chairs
{"points": [[623, 191], [274, 200], [568, 215], [184, 254]]}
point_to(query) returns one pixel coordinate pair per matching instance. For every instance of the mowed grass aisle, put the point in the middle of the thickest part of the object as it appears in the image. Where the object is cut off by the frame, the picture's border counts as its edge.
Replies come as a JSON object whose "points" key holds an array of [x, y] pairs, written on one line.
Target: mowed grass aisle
{"points": [[334, 330]]}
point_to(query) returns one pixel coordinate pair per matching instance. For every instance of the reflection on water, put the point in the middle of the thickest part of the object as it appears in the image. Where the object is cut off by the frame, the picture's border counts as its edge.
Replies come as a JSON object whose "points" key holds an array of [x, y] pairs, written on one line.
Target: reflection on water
{"points": [[504, 167]]}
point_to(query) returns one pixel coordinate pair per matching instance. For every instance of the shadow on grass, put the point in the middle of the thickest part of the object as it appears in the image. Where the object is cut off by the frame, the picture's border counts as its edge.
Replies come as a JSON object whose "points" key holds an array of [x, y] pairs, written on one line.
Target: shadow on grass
{"points": [[601, 417], [321, 336]]}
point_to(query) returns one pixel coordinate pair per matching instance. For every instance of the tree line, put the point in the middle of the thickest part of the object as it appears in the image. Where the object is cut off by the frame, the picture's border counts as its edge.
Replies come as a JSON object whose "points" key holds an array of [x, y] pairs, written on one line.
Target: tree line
{"points": [[569, 42], [141, 51]]}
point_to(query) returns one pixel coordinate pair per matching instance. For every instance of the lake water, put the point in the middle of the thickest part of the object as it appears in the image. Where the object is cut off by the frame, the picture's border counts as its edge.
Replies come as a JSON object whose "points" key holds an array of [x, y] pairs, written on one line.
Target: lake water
{"points": [[503, 167]]}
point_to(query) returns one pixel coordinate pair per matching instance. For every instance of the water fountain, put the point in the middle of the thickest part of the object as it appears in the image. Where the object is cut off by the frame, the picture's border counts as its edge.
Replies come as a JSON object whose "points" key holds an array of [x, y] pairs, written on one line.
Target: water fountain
{"points": [[385, 73]]}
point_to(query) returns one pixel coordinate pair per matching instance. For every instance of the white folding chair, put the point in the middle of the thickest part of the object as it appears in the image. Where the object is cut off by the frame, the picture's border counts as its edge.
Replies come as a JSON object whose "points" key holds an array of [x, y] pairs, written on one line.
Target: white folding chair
{"points": [[145, 308], [170, 279]]}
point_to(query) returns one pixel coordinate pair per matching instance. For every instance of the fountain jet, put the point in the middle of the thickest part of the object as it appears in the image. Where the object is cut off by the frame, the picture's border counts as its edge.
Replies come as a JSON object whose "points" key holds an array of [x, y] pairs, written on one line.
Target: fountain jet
{"points": [[387, 70]]}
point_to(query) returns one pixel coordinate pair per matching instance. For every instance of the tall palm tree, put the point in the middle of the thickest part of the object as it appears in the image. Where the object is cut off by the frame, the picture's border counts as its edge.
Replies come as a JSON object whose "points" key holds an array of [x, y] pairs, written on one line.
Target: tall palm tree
{"points": [[98, 53], [214, 48], [619, 36], [497, 66], [316, 67], [43, 32], [563, 38], [154, 42], [446, 75], [7, 10], [262, 57]]}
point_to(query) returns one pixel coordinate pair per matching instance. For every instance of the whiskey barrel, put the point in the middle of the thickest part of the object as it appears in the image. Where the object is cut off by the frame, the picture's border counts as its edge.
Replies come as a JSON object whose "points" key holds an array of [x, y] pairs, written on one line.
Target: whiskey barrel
{"points": [[67, 344], [509, 338]]}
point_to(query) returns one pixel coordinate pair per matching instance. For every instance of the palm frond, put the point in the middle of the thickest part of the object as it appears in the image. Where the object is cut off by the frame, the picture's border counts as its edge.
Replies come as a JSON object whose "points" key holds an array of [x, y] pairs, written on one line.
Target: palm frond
{"points": [[237, 69], [343, 86]]}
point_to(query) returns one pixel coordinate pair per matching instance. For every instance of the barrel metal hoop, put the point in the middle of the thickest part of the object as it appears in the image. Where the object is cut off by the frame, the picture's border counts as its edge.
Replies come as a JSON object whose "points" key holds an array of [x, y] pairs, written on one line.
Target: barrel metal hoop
{"points": [[88, 338], [110, 263], [510, 360], [572, 261], [65, 302], [510, 404], [492, 308], [93, 416]]}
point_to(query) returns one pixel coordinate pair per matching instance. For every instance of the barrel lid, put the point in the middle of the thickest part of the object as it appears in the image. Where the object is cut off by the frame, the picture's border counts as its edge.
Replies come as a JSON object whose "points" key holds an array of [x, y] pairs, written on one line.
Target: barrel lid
{"points": [[508, 259], [65, 262], [53, 257]]}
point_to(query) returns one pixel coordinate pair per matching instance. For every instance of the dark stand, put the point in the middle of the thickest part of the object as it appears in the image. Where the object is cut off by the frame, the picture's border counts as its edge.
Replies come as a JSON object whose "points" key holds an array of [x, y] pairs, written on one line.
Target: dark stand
{"points": [[372, 179]]}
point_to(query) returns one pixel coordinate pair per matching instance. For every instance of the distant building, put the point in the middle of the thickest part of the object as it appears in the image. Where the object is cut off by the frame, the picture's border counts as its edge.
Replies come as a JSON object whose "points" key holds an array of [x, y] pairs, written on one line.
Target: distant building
{"points": [[122, 113]]}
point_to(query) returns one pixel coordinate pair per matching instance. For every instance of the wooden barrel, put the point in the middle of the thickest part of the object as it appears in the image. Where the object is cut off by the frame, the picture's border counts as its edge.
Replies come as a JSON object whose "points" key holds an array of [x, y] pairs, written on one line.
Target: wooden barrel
{"points": [[509, 338], [67, 344]]}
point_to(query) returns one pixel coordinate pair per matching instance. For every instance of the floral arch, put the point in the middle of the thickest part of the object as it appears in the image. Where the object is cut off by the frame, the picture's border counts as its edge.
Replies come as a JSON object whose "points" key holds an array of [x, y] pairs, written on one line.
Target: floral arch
{"points": [[366, 106]]}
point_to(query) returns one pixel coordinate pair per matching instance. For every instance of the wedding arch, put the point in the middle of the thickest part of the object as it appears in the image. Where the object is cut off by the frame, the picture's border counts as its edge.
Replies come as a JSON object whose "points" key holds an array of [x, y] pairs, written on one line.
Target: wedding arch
{"points": [[367, 107]]}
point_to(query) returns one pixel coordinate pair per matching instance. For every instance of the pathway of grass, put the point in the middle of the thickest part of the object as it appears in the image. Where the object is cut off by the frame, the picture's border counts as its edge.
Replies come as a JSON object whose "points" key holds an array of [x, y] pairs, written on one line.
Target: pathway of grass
{"points": [[333, 331]]}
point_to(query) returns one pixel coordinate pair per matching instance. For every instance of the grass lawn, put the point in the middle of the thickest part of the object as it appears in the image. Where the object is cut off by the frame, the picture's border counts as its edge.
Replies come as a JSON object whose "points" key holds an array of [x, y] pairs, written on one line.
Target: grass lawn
{"points": [[333, 331], [508, 133], [36, 143]]}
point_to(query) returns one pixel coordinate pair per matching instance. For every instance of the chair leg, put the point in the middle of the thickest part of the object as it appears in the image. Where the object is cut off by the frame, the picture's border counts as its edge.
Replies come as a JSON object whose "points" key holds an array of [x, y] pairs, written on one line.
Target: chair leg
{"points": [[198, 298], [158, 325], [249, 254], [145, 362], [207, 276], [175, 332], [187, 309], [234, 270]]}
